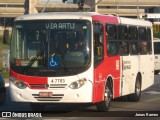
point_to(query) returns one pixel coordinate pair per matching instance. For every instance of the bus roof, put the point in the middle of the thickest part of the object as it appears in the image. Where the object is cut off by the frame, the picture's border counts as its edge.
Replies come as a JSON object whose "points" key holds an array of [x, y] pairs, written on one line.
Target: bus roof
{"points": [[57, 15], [137, 22], [83, 15]]}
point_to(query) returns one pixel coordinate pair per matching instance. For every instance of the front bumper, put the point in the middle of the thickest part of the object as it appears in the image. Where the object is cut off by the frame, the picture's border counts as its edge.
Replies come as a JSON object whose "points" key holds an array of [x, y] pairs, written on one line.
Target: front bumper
{"points": [[68, 95]]}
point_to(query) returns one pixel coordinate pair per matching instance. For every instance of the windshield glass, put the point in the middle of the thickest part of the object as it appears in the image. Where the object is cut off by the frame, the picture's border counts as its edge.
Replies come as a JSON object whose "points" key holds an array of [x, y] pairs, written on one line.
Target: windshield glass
{"points": [[60, 47]]}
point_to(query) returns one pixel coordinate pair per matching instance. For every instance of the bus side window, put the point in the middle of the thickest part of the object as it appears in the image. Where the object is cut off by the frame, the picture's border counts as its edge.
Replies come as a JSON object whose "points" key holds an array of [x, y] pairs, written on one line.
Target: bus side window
{"points": [[123, 46], [98, 46], [133, 48], [111, 37], [112, 48], [142, 41], [98, 43], [133, 40], [148, 38]]}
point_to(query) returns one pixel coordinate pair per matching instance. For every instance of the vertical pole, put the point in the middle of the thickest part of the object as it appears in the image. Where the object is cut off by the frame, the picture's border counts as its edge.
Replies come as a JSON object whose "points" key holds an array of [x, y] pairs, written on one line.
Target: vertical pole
{"points": [[117, 6], [45, 6], [137, 9]]}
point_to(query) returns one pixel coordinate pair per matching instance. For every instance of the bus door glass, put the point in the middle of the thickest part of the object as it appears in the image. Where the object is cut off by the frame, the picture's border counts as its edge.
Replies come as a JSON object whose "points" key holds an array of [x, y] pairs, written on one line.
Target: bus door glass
{"points": [[98, 43]]}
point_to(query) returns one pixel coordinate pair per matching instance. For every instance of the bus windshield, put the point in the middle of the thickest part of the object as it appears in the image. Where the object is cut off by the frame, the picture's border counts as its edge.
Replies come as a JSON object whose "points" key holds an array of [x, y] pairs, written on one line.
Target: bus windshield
{"points": [[51, 47]]}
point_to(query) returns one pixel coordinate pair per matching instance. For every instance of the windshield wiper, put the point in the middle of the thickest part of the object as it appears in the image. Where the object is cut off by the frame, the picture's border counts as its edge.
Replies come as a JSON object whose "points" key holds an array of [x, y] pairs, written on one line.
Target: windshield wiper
{"points": [[34, 59]]}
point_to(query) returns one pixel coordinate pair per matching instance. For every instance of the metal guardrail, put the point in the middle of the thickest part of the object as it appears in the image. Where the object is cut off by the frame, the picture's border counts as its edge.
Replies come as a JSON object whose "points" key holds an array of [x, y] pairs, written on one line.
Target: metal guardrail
{"points": [[12, 2], [130, 2], [9, 8]]}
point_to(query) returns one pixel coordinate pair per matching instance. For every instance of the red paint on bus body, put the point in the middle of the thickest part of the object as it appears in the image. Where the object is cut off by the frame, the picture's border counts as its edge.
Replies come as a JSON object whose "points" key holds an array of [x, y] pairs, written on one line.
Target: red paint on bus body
{"points": [[30, 79], [109, 67]]}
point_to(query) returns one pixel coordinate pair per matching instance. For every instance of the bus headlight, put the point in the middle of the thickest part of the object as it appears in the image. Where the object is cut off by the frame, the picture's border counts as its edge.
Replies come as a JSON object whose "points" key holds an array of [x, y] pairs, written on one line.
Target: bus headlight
{"points": [[18, 83], [77, 84]]}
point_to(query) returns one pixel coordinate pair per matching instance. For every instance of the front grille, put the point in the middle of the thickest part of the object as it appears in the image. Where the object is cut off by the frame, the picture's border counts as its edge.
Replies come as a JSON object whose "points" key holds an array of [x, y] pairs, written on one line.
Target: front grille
{"points": [[37, 86], [45, 86], [57, 85], [54, 97]]}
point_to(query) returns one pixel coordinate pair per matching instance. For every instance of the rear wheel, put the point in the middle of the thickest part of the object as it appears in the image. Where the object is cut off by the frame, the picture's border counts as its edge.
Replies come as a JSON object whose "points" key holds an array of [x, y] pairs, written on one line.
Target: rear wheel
{"points": [[135, 97], [156, 72], [37, 106], [105, 104]]}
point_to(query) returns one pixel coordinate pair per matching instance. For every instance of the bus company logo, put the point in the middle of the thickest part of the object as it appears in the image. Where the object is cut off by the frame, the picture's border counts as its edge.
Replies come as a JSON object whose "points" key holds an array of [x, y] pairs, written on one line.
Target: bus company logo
{"points": [[126, 65], [6, 114]]}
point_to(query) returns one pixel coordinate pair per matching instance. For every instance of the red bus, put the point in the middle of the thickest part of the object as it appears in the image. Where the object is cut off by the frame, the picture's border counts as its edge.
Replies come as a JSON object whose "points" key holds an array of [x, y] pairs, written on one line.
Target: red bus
{"points": [[78, 57]]}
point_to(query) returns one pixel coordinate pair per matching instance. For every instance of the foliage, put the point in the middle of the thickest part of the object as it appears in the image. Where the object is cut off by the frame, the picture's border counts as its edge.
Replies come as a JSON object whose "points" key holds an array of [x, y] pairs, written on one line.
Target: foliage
{"points": [[156, 34], [5, 74]]}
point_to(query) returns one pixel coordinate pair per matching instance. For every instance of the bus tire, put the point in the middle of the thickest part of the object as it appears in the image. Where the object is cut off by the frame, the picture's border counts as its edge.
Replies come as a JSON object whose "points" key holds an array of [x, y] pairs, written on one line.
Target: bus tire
{"points": [[135, 97], [156, 72], [37, 106], [104, 105]]}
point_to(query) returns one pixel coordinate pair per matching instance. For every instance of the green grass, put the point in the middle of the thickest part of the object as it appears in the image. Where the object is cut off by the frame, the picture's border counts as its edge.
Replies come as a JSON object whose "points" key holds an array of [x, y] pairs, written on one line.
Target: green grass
{"points": [[2, 47], [156, 34], [5, 74]]}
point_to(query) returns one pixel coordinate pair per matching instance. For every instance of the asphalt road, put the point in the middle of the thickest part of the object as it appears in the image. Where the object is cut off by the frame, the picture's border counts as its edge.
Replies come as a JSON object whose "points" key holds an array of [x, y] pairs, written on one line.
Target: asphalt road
{"points": [[148, 105]]}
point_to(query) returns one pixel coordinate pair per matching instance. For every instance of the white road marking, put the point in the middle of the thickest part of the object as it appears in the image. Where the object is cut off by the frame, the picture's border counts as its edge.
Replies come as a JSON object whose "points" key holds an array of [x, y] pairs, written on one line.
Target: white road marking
{"points": [[153, 92]]}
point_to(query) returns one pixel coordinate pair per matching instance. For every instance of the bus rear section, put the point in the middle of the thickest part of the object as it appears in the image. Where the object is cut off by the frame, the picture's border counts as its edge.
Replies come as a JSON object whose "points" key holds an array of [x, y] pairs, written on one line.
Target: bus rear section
{"points": [[157, 55]]}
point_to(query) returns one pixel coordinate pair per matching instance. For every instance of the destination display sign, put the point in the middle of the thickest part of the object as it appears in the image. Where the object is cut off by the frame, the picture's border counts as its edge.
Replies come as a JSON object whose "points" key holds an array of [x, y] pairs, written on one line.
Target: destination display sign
{"points": [[61, 26]]}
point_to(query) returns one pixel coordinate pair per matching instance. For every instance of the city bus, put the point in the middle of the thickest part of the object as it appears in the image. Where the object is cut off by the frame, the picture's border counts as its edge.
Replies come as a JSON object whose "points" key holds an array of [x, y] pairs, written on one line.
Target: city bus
{"points": [[157, 55], [79, 57]]}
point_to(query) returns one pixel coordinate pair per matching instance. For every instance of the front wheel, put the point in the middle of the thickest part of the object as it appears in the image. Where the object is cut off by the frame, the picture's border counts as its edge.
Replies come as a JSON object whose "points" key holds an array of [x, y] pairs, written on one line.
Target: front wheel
{"points": [[104, 105]]}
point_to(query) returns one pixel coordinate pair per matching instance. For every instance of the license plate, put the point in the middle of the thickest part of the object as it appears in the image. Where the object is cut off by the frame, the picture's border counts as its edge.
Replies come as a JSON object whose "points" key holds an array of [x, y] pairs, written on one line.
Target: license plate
{"points": [[45, 94]]}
